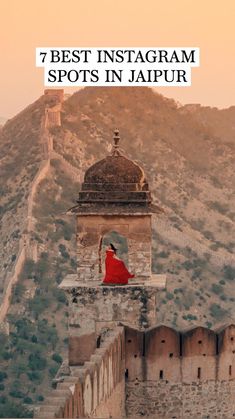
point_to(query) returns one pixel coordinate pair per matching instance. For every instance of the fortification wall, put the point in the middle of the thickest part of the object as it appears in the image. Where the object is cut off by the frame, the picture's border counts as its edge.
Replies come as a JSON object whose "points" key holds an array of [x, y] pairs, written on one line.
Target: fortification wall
{"points": [[53, 116], [12, 281], [72, 171], [96, 389], [175, 374], [197, 355]]}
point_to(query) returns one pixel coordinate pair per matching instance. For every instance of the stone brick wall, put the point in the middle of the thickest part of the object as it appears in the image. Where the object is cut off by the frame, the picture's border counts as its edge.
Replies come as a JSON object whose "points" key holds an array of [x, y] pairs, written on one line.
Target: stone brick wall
{"points": [[53, 116], [94, 308], [182, 401]]}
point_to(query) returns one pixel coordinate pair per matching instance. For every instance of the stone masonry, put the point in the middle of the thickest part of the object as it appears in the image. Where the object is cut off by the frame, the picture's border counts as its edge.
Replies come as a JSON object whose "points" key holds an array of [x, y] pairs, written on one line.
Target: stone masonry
{"points": [[94, 309]]}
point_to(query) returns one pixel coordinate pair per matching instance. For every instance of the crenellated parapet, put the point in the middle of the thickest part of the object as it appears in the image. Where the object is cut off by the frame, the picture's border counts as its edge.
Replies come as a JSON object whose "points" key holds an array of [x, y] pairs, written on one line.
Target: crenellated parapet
{"points": [[187, 374], [96, 389], [196, 355]]}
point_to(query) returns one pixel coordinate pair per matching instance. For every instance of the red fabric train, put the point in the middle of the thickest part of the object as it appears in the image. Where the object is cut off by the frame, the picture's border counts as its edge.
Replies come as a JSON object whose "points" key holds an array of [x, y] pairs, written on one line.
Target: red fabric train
{"points": [[116, 271]]}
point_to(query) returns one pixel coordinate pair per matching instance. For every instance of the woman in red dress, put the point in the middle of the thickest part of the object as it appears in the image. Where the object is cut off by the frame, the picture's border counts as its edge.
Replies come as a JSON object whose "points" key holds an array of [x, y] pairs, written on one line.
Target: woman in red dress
{"points": [[116, 271]]}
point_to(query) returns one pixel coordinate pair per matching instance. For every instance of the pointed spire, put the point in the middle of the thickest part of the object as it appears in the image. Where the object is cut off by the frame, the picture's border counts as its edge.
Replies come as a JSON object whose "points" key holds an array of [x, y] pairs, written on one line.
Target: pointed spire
{"points": [[116, 139]]}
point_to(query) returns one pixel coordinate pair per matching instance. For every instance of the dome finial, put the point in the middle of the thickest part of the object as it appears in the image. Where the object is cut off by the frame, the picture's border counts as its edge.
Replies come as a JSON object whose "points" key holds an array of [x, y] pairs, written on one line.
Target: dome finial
{"points": [[116, 139]]}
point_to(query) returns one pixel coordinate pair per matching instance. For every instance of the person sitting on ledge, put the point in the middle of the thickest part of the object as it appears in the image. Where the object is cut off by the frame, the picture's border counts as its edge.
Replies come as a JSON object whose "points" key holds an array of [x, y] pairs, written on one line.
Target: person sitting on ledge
{"points": [[116, 271]]}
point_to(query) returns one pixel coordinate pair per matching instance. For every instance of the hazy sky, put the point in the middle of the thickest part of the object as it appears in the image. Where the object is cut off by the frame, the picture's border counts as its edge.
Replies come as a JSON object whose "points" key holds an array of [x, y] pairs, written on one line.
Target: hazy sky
{"points": [[208, 24]]}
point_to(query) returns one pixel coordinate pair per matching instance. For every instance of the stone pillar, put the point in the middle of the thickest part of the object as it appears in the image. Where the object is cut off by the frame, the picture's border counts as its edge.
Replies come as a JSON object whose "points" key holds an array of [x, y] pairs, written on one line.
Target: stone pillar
{"points": [[87, 249], [140, 257], [140, 245]]}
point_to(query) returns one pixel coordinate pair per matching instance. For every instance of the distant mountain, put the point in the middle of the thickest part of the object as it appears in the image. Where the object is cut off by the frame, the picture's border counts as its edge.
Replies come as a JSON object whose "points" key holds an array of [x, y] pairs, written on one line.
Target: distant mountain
{"points": [[188, 154]]}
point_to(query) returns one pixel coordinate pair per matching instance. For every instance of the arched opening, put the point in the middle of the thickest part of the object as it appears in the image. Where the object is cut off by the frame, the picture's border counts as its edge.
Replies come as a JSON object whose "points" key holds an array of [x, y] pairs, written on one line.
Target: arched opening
{"points": [[119, 241]]}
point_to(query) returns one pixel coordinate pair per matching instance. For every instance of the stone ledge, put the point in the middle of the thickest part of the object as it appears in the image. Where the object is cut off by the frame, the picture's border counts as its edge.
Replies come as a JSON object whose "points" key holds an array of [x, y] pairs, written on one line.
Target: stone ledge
{"points": [[157, 281]]}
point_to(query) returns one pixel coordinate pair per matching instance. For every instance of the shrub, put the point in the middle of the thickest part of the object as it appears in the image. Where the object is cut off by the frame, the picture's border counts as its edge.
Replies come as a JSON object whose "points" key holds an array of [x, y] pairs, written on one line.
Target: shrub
{"points": [[42, 266], [215, 246], [217, 206], [18, 292], [187, 265], [9, 409], [35, 376], [24, 327], [15, 390], [63, 251], [59, 295], [229, 272], [196, 273], [73, 263], [28, 269], [3, 400], [2, 387], [3, 375], [38, 304], [163, 254], [189, 317], [169, 296], [217, 312], [28, 400], [53, 371], [209, 235], [37, 362], [6, 355], [217, 289], [222, 282], [57, 358], [68, 231]]}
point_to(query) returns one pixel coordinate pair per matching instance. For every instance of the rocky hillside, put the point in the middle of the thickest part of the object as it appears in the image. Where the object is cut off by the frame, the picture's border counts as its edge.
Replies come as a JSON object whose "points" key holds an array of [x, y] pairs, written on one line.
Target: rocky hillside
{"points": [[188, 154]]}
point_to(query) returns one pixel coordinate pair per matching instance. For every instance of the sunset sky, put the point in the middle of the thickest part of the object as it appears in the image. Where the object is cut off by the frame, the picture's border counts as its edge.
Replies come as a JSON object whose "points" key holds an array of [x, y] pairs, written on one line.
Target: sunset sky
{"points": [[208, 24]]}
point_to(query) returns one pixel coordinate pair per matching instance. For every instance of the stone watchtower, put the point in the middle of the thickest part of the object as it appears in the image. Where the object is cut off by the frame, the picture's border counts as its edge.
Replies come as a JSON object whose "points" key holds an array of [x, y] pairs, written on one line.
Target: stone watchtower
{"points": [[114, 197]]}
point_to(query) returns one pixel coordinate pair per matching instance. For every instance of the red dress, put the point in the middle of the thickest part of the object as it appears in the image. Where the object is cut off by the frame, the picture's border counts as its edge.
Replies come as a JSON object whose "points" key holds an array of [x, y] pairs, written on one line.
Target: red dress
{"points": [[116, 272]]}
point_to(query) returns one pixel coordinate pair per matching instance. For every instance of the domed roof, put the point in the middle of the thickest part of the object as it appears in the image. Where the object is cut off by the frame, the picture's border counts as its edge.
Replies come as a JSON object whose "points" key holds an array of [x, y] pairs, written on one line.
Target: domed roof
{"points": [[115, 169], [114, 184]]}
